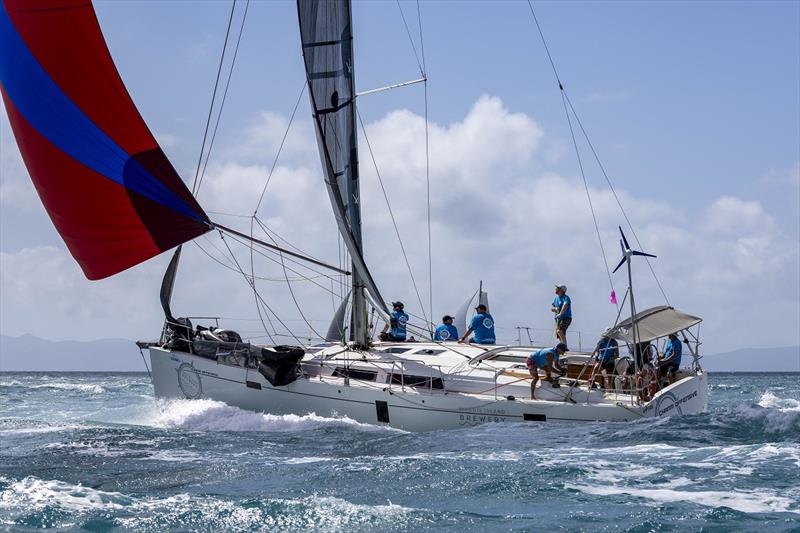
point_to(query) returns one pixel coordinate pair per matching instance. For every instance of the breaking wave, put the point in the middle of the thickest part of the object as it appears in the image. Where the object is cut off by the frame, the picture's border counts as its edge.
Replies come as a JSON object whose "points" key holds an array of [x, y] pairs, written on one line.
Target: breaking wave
{"points": [[744, 501], [39, 500], [211, 415]]}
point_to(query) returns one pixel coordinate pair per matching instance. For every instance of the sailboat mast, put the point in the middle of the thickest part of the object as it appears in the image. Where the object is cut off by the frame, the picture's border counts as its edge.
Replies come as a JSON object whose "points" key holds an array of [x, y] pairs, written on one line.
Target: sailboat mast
{"points": [[359, 324]]}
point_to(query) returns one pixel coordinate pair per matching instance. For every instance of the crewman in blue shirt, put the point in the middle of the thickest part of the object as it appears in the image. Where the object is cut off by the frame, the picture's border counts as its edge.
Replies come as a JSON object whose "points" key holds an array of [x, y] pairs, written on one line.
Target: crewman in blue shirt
{"points": [[547, 360], [671, 360], [396, 327], [482, 325], [607, 352], [446, 331], [562, 307]]}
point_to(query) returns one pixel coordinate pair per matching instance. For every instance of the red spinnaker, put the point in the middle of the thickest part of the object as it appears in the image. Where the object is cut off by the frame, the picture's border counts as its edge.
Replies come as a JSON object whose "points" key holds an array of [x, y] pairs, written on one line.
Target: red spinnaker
{"points": [[107, 186]]}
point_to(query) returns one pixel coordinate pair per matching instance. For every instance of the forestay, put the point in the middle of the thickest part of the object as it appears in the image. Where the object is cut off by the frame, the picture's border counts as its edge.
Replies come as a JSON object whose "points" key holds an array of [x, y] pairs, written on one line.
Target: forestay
{"points": [[106, 184], [327, 40], [652, 324]]}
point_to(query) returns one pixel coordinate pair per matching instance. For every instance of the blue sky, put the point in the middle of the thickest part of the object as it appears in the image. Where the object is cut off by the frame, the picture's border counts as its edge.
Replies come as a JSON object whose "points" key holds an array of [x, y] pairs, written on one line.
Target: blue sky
{"points": [[688, 104]]}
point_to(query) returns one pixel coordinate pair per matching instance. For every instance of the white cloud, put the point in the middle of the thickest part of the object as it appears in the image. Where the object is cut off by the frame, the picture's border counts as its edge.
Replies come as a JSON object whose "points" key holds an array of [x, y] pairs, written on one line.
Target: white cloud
{"points": [[498, 215]]}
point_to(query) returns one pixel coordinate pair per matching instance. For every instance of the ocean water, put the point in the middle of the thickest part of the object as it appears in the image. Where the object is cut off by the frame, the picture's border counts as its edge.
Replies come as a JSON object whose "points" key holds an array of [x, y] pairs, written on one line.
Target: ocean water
{"points": [[96, 452]]}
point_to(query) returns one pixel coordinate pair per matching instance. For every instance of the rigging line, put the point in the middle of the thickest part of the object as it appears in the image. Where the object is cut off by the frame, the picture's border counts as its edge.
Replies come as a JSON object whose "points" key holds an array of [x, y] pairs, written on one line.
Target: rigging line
{"points": [[546, 48], [262, 278], [614, 192], [408, 32], [259, 252], [298, 263], [224, 95], [586, 187], [280, 148], [260, 298], [564, 99], [255, 292], [222, 214], [213, 98], [427, 172], [291, 291], [391, 214], [594, 152], [278, 248], [421, 41], [274, 233]]}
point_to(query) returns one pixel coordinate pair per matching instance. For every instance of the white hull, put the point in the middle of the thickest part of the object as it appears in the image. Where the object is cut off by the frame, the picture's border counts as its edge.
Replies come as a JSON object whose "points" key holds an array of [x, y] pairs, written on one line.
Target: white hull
{"points": [[183, 375]]}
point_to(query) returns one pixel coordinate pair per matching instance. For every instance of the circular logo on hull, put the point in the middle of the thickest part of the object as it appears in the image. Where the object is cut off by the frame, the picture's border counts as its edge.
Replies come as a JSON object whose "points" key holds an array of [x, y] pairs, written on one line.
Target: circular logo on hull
{"points": [[189, 381]]}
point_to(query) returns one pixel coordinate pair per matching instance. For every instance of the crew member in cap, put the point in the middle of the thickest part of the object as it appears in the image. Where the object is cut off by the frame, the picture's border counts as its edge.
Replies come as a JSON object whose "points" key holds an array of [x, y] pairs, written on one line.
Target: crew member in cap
{"points": [[545, 359], [482, 325], [562, 307], [446, 331], [395, 330]]}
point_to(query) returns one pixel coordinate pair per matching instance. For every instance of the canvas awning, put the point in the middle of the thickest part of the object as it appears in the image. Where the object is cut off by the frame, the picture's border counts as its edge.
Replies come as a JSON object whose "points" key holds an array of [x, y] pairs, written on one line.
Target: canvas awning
{"points": [[652, 324]]}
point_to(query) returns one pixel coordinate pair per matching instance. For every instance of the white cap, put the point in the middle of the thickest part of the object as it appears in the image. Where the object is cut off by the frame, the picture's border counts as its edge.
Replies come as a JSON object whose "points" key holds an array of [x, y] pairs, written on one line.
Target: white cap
{"points": [[562, 287]]}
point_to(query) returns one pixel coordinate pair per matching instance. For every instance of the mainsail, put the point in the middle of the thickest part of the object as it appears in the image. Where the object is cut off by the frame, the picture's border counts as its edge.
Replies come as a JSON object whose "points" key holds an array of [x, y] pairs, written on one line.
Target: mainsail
{"points": [[327, 40], [106, 184]]}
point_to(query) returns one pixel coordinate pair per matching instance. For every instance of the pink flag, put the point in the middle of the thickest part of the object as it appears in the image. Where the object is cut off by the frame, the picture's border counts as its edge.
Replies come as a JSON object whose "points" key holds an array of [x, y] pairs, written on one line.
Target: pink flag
{"points": [[614, 297]]}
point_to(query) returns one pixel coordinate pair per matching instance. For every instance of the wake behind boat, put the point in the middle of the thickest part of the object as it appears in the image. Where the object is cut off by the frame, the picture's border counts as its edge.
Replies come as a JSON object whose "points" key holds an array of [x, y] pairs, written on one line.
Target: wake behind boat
{"points": [[125, 204]]}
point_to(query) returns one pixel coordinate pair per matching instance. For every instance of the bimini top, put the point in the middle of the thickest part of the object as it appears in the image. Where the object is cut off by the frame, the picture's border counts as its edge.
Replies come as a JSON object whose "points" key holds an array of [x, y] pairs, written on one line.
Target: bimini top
{"points": [[653, 323]]}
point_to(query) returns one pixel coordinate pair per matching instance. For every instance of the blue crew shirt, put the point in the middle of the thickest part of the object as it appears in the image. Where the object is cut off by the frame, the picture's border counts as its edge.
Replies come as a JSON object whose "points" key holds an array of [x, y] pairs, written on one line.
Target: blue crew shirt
{"points": [[605, 349], [398, 330], [445, 332], [482, 326], [558, 303], [540, 357], [673, 347]]}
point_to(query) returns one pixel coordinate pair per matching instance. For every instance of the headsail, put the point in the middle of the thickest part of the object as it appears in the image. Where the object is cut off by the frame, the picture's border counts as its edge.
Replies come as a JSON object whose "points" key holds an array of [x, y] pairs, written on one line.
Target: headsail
{"points": [[106, 184], [461, 322], [327, 39]]}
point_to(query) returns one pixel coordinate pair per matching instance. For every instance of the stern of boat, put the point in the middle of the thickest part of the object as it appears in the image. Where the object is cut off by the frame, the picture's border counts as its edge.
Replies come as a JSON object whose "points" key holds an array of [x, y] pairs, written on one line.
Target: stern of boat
{"points": [[689, 396]]}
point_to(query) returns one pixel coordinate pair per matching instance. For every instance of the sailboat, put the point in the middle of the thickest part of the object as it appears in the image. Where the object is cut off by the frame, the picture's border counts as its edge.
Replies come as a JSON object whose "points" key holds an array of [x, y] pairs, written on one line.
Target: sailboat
{"points": [[117, 201]]}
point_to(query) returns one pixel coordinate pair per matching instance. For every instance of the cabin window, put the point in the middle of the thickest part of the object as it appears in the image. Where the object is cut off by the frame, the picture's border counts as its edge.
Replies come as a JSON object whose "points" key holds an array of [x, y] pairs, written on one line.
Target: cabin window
{"points": [[417, 381], [507, 358], [396, 350], [354, 373]]}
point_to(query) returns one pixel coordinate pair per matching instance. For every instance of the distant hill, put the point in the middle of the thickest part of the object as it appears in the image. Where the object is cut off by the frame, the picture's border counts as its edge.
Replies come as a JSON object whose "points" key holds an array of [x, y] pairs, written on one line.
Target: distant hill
{"points": [[33, 353], [784, 359]]}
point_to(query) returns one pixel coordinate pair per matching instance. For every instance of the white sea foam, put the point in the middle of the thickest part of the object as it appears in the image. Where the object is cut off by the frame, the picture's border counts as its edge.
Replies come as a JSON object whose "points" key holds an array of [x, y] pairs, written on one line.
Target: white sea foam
{"points": [[35, 493], [776, 420], [211, 415], [90, 388], [770, 400], [761, 501]]}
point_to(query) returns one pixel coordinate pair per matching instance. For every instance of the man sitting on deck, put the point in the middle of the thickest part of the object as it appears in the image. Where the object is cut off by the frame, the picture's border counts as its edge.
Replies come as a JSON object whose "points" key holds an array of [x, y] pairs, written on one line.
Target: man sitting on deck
{"points": [[482, 325], [607, 352], [546, 359], [671, 361], [395, 330], [446, 331]]}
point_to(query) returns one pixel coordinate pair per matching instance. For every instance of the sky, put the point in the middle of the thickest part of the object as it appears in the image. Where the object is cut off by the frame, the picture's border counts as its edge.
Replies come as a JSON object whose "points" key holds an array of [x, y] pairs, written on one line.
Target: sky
{"points": [[693, 108]]}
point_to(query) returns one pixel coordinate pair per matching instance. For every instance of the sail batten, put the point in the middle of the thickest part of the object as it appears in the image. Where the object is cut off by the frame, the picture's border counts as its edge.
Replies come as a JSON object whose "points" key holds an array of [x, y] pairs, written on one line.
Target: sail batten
{"points": [[106, 184]]}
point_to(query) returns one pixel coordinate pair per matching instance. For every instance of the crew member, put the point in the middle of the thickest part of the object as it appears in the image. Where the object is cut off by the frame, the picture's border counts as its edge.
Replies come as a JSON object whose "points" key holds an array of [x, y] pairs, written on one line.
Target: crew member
{"points": [[482, 325], [547, 360], [607, 352], [395, 330], [562, 307], [446, 331], [669, 364]]}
